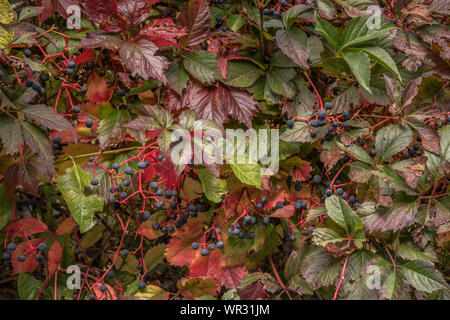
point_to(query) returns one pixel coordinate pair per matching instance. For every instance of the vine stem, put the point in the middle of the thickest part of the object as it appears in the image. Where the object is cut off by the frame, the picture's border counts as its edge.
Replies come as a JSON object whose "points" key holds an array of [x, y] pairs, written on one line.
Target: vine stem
{"points": [[278, 277], [342, 278]]}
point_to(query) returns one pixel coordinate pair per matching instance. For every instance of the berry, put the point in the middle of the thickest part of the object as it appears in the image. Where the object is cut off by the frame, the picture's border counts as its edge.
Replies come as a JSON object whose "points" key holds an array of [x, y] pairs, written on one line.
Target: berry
{"points": [[204, 252], [317, 179], [373, 153], [103, 288], [220, 245], [416, 146], [155, 225], [322, 114], [263, 200], [69, 71], [95, 182], [266, 221], [121, 92], [448, 118], [211, 246], [90, 65], [126, 183], [6, 256], [76, 109], [195, 245], [313, 134], [124, 253], [83, 90], [71, 64], [160, 157], [11, 246], [111, 273], [36, 86], [45, 77], [266, 11], [251, 235], [57, 139], [123, 195], [27, 53], [418, 138], [328, 105], [21, 258], [290, 123], [298, 205], [146, 215], [219, 19], [279, 205], [29, 83], [223, 28], [328, 192], [159, 192], [154, 185], [344, 195], [346, 115], [129, 171], [115, 166], [89, 123], [298, 186], [142, 164], [142, 285]]}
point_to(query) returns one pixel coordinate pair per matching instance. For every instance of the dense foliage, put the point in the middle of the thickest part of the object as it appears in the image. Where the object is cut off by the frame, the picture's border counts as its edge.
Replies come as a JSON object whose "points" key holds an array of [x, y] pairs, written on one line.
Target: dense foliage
{"points": [[88, 118]]}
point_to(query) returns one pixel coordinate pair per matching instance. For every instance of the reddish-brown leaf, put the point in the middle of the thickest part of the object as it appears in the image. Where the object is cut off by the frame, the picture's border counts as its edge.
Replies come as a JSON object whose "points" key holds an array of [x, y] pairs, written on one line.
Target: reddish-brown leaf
{"points": [[110, 294], [55, 256], [430, 140], [214, 266], [30, 263], [98, 91], [285, 212], [27, 226], [66, 226], [162, 32], [196, 20], [302, 171]]}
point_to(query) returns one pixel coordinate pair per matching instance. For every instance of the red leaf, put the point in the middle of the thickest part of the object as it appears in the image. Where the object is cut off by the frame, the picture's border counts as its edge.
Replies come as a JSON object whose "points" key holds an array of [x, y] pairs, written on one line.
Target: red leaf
{"points": [[214, 266], [217, 104], [110, 294], [98, 91], [302, 171], [166, 172], [66, 226], [179, 250], [135, 11], [30, 263], [86, 56], [162, 32], [139, 57], [104, 12], [196, 19], [254, 291], [224, 53], [147, 230], [28, 226], [55, 256], [285, 212]]}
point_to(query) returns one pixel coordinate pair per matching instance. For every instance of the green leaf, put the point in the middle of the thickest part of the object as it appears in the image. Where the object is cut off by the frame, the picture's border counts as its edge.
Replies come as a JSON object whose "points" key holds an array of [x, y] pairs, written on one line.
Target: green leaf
{"points": [[291, 15], [320, 269], [177, 77], [391, 140], [248, 173], [28, 287], [82, 207], [330, 32], [201, 65], [111, 129], [408, 251], [326, 9], [6, 209], [242, 74], [357, 31], [381, 57], [359, 63], [10, 133], [294, 44], [279, 80], [6, 36], [6, 12], [356, 152], [422, 276], [444, 132], [340, 212], [213, 187], [47, 116], [391, 285], [235, 22], [324, 236]]}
